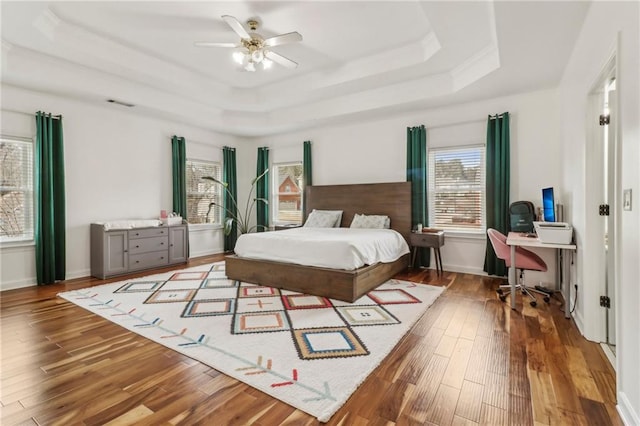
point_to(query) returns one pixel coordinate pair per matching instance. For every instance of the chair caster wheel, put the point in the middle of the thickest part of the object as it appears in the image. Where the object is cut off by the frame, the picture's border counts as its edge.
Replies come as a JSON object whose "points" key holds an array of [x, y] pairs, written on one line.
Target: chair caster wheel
{"points": [[523, 292], [546, 299], [499, 291], [533, 304], [503, 297]]}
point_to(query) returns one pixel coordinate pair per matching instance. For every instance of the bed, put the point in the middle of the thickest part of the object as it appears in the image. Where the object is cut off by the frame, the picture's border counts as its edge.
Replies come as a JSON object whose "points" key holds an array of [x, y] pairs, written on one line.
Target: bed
{"points": [[390, 199]]}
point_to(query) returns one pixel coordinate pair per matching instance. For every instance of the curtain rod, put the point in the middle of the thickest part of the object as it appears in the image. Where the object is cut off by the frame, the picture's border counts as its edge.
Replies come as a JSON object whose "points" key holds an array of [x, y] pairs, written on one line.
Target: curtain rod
{"points": [[300, 144], [31, 114], [197, 142], [46, 114]]}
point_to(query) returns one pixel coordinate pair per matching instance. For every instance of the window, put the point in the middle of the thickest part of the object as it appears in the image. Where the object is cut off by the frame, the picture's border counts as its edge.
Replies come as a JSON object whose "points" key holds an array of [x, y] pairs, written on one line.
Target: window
{"points": [[287, 199], [457, 188], [16, 190], [201, 193]]}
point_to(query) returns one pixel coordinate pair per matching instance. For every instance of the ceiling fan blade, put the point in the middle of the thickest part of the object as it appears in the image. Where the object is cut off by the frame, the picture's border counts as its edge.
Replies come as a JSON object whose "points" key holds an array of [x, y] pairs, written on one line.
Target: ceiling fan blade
{"points": [[214, 44], [279, 59], [236, 26], [283, 39]]}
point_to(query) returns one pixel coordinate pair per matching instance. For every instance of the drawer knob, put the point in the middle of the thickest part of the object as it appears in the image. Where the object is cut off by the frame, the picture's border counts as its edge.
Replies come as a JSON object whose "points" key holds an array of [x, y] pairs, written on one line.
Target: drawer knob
{"points": [[162, 243], [137, 246], [137, 261], [161, 257]]}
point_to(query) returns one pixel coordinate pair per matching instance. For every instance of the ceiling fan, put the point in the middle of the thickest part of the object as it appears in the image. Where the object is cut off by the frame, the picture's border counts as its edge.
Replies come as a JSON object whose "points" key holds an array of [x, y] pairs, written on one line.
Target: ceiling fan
{"points": [[253, 48]]}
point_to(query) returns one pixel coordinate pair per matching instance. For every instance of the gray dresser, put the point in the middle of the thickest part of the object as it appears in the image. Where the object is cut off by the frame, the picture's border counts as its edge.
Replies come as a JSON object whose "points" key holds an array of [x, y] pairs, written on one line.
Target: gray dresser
{"points": [[119, 251]]}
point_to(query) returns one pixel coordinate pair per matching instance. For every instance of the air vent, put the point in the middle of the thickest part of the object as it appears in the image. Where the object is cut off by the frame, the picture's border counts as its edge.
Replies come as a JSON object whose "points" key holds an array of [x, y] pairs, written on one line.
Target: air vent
{"points": [[113, 101]]}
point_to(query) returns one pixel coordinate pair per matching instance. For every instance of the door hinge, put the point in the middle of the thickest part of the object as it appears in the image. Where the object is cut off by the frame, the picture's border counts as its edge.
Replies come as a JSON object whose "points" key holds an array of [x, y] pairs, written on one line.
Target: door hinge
{"points": [[604, 119], [605, 301], [604, 210]]}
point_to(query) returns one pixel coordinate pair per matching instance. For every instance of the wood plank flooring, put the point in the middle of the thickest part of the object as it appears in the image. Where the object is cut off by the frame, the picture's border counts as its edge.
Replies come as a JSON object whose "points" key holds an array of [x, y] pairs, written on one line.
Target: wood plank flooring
{"points": [[469, 360]]}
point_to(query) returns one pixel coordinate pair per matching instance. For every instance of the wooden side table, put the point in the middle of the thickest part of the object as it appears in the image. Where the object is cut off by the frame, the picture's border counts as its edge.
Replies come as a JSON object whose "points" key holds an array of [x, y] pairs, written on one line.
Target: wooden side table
{"points": [[433, 240], [283, 227]]}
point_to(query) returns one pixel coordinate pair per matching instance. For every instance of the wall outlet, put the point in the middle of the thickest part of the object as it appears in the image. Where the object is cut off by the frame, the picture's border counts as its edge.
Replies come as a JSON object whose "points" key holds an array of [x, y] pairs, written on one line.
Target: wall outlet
{"points": [[626, 199]]}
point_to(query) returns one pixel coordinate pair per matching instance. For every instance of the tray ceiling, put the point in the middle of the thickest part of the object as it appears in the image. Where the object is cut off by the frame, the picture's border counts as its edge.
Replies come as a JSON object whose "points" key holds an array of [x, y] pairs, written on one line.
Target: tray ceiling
{"points": [[356, 59]]}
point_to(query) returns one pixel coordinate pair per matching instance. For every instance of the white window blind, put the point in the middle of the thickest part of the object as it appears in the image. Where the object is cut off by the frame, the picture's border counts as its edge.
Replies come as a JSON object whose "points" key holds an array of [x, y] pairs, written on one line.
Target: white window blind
{"points": [[457, 188], [16, 190], [201, 192], [287, 190]]}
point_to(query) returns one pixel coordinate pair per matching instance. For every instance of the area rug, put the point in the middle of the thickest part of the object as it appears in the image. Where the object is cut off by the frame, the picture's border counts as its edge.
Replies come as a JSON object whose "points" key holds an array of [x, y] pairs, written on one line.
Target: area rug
{"points": [[308, 351]]}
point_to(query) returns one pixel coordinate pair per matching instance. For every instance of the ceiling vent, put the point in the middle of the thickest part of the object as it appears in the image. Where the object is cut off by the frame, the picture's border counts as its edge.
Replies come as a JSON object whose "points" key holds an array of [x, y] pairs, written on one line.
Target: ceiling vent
{"points": [[113, 101]]}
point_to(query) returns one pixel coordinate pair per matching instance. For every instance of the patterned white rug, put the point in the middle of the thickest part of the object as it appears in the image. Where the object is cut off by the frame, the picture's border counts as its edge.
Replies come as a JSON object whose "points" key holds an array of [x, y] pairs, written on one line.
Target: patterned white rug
{"points": [[308, 351]]}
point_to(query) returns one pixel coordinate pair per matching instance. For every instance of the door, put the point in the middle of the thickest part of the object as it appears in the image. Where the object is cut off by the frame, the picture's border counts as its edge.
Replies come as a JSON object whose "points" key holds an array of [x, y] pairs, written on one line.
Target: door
{"points": [[177, 244], [609, 156], [116, 251]]}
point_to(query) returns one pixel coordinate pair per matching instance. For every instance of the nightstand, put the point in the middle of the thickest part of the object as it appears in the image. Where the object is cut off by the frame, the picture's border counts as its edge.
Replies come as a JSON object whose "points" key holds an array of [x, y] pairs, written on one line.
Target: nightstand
{"points": [[433, 240]]}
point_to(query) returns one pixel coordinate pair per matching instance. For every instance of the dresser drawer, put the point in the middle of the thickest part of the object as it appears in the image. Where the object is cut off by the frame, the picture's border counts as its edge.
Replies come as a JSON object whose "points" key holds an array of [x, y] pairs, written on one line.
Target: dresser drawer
{"points": [[427, 239], [147, 232], [148, 260], [145, 245]]}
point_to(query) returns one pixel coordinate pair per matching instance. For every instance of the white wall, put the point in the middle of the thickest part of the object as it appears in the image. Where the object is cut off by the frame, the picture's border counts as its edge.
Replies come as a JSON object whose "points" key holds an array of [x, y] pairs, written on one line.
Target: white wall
{"points": [[117, 166], [375, 151], [607, 22]]}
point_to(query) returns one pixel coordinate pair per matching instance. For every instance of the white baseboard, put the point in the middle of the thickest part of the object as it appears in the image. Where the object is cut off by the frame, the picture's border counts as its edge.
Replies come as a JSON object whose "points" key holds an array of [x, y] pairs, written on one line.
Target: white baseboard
{"points": [[463, 269], [81, 273], [204, 253], [23, 283], [31, 281], [626, 411], [577, 318], [609, 354]]}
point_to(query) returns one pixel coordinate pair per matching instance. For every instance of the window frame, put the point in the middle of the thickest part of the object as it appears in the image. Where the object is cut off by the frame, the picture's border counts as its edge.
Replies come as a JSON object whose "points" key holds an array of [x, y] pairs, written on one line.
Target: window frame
{"points": [[275, 194], [481, 187], [28, 237], [217, 212]]}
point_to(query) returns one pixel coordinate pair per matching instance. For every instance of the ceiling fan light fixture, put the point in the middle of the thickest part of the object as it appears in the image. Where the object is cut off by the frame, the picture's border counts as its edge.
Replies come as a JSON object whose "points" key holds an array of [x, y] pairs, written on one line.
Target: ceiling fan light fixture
{"points": [[257, 56], [238, 57], [253, 48]]}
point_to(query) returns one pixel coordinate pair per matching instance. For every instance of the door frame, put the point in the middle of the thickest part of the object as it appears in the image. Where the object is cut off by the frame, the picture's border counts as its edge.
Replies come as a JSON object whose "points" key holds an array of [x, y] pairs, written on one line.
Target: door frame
{"points": [[594, 286]]}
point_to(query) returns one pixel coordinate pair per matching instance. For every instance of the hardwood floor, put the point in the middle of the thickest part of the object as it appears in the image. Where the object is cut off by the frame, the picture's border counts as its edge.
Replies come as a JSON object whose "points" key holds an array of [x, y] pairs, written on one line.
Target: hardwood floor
{"points": [[469, 360]]}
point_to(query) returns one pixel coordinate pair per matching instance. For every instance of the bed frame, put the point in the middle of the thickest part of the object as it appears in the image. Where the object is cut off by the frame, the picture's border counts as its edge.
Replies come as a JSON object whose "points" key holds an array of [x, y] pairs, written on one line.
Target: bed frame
{"points": [[391, 199]]}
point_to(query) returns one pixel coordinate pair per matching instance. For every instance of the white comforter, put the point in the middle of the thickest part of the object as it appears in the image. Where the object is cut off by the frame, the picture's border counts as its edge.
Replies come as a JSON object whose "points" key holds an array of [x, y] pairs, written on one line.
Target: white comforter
{"points": [[336, 248]]}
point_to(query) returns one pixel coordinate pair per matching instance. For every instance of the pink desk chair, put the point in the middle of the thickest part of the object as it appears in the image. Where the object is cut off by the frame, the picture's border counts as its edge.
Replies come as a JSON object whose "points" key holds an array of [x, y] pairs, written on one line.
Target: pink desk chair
{"points": [[525, 260]]}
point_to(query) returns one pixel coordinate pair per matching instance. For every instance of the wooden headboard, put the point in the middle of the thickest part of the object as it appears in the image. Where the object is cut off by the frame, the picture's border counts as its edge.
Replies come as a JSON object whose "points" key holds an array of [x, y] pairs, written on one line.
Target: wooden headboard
{"points": [[391, 199]]}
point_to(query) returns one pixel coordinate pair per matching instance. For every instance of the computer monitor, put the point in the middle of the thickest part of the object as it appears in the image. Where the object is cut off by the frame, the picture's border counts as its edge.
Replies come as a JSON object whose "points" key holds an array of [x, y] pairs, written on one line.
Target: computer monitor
{"points": [[548, 205]]}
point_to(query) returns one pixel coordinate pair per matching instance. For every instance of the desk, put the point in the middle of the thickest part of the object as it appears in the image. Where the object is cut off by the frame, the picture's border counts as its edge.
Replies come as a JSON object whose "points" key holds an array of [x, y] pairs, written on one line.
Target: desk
{"points": [[433, 240], [518, 239]]}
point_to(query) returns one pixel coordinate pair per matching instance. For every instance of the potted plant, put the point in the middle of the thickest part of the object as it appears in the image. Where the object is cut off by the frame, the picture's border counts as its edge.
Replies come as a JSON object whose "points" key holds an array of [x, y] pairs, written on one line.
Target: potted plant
{"points": [[241, 220]]}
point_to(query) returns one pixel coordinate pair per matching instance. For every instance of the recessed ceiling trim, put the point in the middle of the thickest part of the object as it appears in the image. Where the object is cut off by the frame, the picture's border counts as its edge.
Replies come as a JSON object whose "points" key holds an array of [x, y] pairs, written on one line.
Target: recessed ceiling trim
{"points": [[47, 22], [476, 67]]}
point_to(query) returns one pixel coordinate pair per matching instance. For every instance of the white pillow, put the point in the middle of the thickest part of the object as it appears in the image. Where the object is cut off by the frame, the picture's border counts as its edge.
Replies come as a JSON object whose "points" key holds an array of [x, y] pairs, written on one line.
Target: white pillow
{"points": [[319, 219], [336, 213], [371, 221]]}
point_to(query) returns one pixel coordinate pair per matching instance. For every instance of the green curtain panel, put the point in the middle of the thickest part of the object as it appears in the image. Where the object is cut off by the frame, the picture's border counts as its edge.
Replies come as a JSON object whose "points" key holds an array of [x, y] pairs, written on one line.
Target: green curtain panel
{"points": [[498, 176], [50, 200], [417, 175], [307, 175], [229, 177], [262, 190], [179, 163]]}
